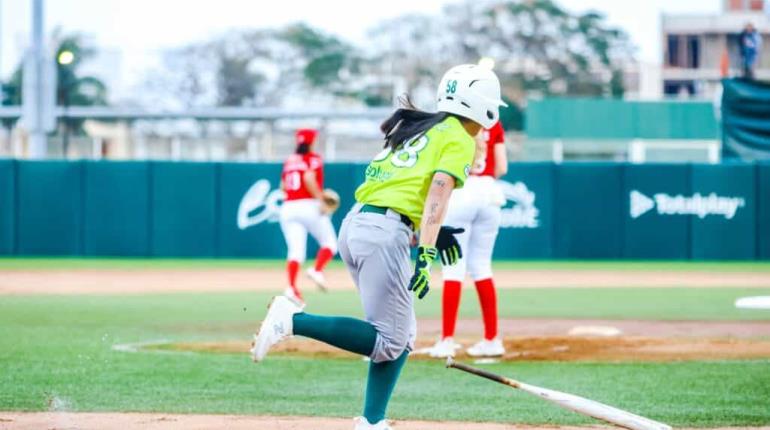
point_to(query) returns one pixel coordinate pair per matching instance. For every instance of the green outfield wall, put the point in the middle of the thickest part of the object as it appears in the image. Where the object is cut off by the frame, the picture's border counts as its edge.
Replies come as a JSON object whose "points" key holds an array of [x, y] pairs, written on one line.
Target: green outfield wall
{"points": [[601, 118], [7, 207], [552, 211], [763, 211]]}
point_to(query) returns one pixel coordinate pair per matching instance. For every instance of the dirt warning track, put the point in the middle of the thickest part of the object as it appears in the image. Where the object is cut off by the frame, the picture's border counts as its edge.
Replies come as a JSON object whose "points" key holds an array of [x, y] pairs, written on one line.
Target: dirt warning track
{"points": [[161, 421], [144, 281]]}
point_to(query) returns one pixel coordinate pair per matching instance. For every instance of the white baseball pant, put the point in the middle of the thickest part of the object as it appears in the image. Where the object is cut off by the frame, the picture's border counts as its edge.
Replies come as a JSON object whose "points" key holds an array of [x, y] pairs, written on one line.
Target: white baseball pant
{"points": [[476, 208], [300, 217]]}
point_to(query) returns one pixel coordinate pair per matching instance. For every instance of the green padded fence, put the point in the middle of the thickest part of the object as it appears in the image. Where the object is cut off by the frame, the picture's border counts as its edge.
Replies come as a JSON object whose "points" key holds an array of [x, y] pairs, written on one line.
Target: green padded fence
{"points": [[7, 207], [527, 217], [727, 235], [184, 198], [586, 118], [49, 208], [565, 211], [256, 236], [588, 211], [648, 234], [763, 211], [116, 214]]}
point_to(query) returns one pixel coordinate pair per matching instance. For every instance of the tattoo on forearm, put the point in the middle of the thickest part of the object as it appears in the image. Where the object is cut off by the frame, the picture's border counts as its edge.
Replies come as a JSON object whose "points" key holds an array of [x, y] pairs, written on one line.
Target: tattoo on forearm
{"points": [[432, 213], [434, 209]]}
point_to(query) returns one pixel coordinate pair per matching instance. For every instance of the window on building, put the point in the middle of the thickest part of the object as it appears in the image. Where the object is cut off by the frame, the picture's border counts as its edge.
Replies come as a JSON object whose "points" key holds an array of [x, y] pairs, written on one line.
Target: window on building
{"points": [[742, 5], [693, 52], [683, 51], [672, 50], [679, 88]]}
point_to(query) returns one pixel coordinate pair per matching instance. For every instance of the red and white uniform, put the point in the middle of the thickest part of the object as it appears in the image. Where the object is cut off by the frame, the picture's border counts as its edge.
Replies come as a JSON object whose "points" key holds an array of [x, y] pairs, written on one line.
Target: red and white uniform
{"points": [[293, 171], [476, 208], [485, 165], [300, 212]]}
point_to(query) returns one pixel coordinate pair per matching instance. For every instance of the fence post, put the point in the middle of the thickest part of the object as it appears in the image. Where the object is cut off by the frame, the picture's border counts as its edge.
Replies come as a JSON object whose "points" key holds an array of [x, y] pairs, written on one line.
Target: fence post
{"points": [[557, 151]]}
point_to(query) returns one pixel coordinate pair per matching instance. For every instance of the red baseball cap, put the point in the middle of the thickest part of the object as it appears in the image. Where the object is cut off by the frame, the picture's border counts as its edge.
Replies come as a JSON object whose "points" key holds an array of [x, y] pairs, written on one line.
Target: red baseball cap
{"points": [[306, 136]]}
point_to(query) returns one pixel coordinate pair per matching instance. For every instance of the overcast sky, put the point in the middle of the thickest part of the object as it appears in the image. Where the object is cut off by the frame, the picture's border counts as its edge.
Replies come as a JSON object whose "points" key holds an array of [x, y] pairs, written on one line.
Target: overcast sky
{"points": [[141, 28]]}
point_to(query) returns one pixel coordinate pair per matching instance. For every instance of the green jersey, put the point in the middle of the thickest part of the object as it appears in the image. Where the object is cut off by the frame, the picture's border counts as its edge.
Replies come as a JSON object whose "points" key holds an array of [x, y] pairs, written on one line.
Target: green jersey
{"points": [[399, 179]]}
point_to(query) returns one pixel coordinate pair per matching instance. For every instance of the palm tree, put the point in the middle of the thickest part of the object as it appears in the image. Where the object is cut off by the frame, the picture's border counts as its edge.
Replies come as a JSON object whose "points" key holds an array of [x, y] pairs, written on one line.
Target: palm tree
{"points": [[74, 89]]}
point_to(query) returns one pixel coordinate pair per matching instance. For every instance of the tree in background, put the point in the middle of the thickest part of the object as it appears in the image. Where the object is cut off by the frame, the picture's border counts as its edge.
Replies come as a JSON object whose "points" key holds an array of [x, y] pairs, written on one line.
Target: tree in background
{"points": [[73, 87], [407, 54], [255, 68], [544, 49], [324, 60], [11, 95], [540, 49], [183, 80]]}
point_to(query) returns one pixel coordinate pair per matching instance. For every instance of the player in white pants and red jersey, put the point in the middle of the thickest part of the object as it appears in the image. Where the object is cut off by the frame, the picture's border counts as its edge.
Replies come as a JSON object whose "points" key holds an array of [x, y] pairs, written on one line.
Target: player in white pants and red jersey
{"points": [[302, 213], [476, 208]]}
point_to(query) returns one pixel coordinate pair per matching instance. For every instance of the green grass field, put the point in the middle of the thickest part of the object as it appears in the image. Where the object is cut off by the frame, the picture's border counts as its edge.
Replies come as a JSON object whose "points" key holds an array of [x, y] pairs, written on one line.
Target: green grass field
{"points": [[57, 350], [60, 263]]}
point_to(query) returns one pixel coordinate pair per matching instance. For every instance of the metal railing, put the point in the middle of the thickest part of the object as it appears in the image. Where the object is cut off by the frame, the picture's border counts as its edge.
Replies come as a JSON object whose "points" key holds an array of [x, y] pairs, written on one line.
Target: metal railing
{"points": [[217, 113]]}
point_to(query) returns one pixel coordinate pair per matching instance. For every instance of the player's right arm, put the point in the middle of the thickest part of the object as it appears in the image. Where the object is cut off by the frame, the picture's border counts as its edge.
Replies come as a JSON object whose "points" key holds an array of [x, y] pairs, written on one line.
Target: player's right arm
{"points": [[436, 202], [501, 160], [450, 172], [310, 180], [435, 207], [497, 145]]}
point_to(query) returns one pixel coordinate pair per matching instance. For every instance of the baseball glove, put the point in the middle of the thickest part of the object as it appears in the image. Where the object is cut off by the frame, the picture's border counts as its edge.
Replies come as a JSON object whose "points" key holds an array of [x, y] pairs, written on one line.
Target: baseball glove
{"points": [[330, 201]]}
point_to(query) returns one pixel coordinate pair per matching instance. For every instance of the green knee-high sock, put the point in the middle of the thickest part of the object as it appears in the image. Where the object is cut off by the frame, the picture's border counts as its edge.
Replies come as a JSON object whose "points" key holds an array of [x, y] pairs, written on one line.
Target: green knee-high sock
{"points": [[382, 380], [345, 333]]}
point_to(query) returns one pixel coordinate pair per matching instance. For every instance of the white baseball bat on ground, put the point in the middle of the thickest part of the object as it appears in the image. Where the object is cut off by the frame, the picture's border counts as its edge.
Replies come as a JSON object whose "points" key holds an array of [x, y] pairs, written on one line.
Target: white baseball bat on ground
{"points": [[578, 404]]}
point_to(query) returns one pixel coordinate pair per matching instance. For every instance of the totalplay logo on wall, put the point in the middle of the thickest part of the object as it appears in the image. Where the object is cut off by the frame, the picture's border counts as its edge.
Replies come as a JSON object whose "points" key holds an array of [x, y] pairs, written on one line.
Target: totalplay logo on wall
{"points": [[696, 205]]}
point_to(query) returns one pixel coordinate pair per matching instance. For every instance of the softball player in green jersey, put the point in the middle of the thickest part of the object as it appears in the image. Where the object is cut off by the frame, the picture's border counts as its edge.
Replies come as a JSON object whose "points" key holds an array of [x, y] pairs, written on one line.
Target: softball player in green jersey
{"points": [[406, 190]]}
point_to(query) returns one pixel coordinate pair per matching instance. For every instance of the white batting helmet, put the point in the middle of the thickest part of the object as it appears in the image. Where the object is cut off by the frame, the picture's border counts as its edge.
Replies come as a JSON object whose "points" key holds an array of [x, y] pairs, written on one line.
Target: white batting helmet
{"points": [[472, 92]]}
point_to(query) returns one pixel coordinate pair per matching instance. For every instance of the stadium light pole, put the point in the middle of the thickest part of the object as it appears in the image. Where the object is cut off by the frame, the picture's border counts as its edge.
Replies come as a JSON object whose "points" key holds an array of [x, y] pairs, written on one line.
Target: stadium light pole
{"points": [[1, 48], [38, 92], [64, 59], [37, 135]]}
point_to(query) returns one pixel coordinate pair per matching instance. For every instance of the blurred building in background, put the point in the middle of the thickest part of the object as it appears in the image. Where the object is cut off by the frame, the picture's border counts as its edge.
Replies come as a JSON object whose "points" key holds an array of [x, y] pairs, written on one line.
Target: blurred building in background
{"points": [[240, 95], [698, 47]]}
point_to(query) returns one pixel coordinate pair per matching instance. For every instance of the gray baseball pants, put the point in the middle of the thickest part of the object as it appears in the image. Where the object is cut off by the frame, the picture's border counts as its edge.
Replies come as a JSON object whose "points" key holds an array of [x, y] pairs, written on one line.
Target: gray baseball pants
{"points": [[375, 249]]}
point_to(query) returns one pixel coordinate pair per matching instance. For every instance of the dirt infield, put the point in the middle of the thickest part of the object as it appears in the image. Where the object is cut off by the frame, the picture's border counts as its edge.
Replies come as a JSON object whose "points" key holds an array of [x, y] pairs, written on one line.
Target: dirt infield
{"points": [[157, 421], [550, 348], [431, 328], [536, 339], [97, 281]]}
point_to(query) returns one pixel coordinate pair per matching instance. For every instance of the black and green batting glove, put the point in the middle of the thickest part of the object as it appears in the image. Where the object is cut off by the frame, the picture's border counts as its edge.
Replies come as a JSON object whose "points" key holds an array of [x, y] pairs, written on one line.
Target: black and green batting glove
{"points": [[420, 282], [447, 245]]}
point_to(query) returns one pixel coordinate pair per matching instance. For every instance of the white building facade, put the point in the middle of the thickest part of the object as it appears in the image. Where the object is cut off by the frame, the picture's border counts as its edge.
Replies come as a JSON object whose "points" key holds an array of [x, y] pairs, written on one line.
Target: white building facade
{"points": [[699, 49]]}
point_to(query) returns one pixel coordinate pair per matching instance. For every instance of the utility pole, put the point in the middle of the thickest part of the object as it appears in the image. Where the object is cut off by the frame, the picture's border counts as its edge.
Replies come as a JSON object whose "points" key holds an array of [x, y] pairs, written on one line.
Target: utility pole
{"points": [[39, 87], [1, 46]]}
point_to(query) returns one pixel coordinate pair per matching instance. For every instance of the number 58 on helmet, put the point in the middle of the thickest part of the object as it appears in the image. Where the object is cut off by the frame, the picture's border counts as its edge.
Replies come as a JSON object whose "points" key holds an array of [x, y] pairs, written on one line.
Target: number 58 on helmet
{"points": [[472, 92]]}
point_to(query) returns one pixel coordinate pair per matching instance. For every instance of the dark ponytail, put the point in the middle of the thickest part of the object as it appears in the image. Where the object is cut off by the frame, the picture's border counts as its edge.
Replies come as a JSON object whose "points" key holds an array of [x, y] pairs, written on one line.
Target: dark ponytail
{"points": [[302, 148], [408, 122]]}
